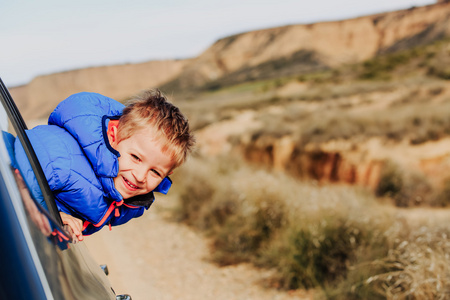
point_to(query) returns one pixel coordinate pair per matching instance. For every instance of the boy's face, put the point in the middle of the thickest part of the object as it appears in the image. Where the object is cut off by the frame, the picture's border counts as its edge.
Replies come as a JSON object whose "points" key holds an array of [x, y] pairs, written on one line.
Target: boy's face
{"points": [[142, 164]]}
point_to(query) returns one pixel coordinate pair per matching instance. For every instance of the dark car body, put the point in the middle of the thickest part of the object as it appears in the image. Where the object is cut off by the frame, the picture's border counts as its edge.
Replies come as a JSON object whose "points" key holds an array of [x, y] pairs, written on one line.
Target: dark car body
{"points": [[38, 258]]}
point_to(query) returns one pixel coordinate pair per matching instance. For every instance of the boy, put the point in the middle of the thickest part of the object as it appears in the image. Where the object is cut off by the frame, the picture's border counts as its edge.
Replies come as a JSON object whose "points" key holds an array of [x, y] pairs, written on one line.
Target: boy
{"points": [[103, 161]]}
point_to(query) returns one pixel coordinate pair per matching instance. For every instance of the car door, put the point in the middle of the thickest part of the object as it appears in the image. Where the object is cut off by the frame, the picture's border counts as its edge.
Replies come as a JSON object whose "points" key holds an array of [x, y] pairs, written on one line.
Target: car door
{"points": [[38, 258]]}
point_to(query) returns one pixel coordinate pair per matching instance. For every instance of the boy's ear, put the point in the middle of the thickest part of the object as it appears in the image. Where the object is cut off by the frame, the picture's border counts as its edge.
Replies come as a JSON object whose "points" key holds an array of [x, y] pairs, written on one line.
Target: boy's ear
{"points": [[112, 134]]}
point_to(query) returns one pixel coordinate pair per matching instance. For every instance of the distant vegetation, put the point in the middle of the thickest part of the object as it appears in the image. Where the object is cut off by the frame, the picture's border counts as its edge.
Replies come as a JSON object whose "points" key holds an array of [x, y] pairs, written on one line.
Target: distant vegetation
{"points": [[301, 62]]}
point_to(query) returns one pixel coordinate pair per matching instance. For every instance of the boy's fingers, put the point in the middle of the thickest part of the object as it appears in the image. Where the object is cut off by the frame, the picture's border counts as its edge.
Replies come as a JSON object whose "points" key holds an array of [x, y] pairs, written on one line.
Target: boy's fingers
{"points": [[76, 233], [75, 225], [77, 229], [79, 232], [71, 233]]}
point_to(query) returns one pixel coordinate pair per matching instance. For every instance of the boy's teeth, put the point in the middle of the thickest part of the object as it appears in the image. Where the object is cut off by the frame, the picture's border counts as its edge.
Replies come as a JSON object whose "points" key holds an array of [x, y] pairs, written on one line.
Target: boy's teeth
{"points": [[130, 184]]}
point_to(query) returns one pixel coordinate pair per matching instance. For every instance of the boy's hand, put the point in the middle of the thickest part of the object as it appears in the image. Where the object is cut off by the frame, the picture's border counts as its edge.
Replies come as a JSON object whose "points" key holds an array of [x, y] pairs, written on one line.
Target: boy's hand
{"points": [[75, 224]]}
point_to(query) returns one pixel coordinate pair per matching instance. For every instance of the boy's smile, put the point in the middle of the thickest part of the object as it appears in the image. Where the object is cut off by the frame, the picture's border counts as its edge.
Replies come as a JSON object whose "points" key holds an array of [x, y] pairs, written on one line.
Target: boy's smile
{"points": [[142, 164]]}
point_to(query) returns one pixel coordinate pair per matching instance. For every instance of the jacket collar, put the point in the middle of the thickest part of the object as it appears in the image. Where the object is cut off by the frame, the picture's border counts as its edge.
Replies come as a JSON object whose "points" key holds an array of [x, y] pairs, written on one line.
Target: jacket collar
{"points": [[141, 200]]}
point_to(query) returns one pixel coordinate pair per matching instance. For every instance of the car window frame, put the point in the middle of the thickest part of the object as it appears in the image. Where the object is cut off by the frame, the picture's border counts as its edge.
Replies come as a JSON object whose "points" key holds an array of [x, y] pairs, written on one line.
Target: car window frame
{"points": [[76, 273], [20, 126]]}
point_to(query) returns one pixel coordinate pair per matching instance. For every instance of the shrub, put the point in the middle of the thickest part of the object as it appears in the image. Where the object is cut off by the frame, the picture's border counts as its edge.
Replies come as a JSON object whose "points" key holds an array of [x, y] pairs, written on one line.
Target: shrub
{"points": [[317, 258], [242, 237], [194, 194], [333, 238], [443, 197], [440, 71], [258, 216], [406, 188], [391, 181]]}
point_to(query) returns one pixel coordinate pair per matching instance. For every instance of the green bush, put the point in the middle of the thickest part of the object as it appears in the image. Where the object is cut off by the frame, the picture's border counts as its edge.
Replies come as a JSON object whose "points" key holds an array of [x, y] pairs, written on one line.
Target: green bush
{"points": [[439, 71], [322, 257], [381, 67], [242, 237], [443, 197], [391, 181], [194, 195], [405, 188]]}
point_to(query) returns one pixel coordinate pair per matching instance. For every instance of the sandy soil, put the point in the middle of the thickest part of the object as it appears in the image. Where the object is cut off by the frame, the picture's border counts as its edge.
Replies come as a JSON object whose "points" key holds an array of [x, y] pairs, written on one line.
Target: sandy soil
{"points": [[153, 258]]}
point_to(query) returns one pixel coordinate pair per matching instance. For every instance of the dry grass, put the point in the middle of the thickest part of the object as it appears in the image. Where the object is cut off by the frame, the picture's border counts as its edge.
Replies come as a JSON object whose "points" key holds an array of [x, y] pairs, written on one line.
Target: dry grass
{"points": [[418, 267], [334, 238]]}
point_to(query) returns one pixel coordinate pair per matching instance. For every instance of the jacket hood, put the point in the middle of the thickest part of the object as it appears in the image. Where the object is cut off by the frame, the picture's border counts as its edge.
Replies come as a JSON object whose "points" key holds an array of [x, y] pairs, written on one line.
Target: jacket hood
{"points": [[85, 116]]}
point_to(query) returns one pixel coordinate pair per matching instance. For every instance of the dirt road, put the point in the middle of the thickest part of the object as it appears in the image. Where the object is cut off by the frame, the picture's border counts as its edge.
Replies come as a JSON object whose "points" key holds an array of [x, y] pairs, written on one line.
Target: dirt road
{"points": [[153, 258]]}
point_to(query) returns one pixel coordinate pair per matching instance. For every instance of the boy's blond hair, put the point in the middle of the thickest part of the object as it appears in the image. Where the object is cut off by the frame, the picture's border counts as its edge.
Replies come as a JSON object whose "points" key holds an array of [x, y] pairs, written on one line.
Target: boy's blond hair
{"points": [[170, 126]]}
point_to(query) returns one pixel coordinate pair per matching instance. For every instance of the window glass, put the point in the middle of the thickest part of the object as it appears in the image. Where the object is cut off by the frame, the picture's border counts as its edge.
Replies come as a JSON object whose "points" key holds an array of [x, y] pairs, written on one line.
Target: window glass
{"points": [[37, 215], [69, 272], [42, 229]]}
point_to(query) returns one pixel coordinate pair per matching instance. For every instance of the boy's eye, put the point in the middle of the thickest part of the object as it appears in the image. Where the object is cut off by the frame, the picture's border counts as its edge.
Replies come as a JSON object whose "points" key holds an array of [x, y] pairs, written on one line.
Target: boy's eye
{"points": [[135, 157], [156, 172]]}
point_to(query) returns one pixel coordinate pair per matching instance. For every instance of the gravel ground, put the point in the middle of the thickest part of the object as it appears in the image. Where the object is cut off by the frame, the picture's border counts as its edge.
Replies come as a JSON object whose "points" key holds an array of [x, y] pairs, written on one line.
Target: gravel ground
{"points": [[153, 258]]}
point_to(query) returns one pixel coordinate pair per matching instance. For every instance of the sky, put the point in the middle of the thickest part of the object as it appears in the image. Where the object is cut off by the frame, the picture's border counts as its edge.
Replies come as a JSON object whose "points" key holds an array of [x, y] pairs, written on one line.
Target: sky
{"points": [[48, 36]]}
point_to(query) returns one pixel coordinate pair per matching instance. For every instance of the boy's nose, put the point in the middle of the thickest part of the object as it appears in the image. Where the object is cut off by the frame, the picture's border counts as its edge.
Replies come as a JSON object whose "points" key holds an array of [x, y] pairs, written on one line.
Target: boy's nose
{"points": [[140, 175]]}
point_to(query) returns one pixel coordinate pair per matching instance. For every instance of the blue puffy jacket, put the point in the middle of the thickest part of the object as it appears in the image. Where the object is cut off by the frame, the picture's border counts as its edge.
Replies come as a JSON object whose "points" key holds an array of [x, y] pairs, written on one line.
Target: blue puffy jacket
{"points": [[80, 165]]}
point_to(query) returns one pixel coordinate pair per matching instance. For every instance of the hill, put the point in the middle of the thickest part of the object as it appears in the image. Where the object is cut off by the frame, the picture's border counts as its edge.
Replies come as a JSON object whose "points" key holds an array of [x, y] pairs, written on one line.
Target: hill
{"points": [[252, 55], [298, 49], [39, 97]]}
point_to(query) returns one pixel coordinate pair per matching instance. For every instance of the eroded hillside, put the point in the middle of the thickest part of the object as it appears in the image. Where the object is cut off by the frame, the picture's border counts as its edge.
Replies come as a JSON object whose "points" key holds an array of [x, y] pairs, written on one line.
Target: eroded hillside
{"points": [[383, 124], [268, 53]]}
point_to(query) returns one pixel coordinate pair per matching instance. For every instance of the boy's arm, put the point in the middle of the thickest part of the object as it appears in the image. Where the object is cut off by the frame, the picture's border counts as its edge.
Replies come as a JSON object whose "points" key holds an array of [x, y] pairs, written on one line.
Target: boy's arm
{"points": [[75, 224]]}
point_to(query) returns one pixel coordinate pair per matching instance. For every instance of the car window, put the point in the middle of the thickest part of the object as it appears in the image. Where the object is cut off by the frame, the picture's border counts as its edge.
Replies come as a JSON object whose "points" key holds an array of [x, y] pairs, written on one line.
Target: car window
{"points": [[38, 217], [28, 180], [36, 253], [25, 156], [42, 235], [64, 270]]}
